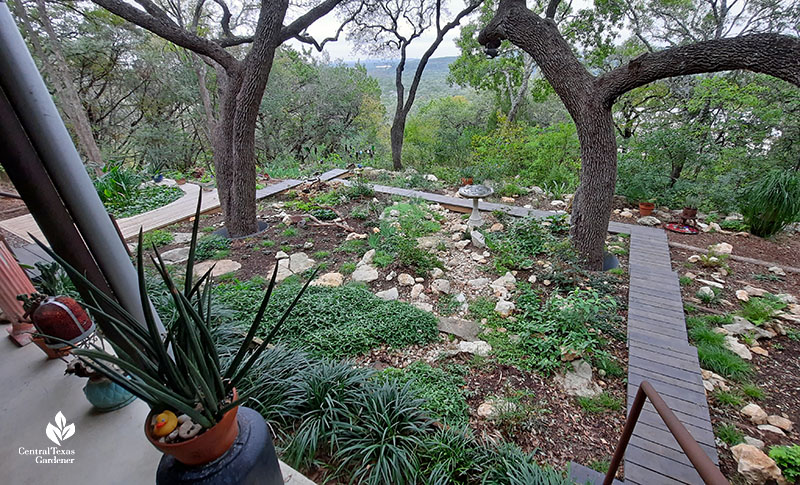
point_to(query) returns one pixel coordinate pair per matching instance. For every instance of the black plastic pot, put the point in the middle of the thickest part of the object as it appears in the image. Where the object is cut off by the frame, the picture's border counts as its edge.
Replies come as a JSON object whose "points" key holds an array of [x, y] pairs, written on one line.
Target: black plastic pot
{"points": [[250, 461]]}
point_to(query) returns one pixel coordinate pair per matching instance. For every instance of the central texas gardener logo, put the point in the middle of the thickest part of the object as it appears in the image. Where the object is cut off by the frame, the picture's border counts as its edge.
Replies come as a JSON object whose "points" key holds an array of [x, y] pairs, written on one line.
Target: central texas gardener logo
{"points": [[61, 431]]}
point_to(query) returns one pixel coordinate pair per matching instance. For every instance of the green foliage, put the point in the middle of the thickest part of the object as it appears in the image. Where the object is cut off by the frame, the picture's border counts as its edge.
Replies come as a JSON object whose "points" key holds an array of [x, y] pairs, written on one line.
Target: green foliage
{"points": [[601, 466], [381, 446], [382, 259], [322, 254], [524, 239], [723, 362], [54, 281], [289, 232], [608, 365], [400, 244], [353, 246], [761, 309], [338, 322], [729, 434], [158, 237], [685, 281], [440, 388], [601, 403], [772, 202], [753, 391], [538, 155], [347, 268], [788, 460], [447, 305], [324, 214], [209, 245], [559, 325], [728, 398]]}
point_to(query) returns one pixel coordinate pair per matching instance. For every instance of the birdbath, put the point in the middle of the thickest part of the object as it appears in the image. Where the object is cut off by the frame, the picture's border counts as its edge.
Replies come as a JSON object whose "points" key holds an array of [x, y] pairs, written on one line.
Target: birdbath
{"points": [[476, 193]]}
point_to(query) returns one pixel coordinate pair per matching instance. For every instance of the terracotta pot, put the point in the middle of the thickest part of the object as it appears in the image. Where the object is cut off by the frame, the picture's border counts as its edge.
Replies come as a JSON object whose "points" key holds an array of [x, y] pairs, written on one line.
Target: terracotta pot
{"points": [[646, 208], [51, 353], [180, 181], [689, 213], [466, 180], [203, 448]]}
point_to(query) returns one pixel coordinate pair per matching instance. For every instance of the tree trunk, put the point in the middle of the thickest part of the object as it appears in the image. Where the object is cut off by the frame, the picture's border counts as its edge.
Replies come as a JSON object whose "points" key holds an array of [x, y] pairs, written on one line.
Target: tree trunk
{"points": [[396, 137], [591, 208], [523, 89], [58, 71]]}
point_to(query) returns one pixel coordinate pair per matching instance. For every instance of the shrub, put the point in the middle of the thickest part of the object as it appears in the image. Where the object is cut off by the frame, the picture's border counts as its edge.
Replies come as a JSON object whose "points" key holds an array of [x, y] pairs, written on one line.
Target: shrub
{"points": [[347, 268], [788, 460], [728, 398], [722, 361], [761, 309], [753, 391], [772, 202], [523, 240]]}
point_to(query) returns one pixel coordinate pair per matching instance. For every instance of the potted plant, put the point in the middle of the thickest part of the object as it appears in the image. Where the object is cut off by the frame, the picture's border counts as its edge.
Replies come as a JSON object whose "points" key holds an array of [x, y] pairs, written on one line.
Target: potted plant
{"points": [[60, 322], [690, 207], [191, 392], [646, 207], [467, 175]]}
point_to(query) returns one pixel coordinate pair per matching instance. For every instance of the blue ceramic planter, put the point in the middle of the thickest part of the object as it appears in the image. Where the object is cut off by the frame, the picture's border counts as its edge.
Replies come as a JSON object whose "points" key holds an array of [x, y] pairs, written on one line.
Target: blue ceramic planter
{"points": [[106, 395]]}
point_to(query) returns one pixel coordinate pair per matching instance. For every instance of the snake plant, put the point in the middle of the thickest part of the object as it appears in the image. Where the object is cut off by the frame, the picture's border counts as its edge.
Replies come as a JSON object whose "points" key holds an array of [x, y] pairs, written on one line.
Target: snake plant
{"points": [[178, 369]]}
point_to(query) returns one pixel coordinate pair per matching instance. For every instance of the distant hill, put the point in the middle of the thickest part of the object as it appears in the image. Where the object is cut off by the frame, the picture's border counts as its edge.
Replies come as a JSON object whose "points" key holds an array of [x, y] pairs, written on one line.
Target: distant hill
{"points": [[433, 85]]}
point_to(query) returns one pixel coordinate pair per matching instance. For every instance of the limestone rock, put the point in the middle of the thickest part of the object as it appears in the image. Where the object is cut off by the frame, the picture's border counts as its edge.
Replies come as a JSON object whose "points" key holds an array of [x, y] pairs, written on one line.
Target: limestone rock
{"points": [[281, 255], [626, 214], [715, 284], [693, 258], [478, 239], [461, 328], [299, 262], [181, 237], [777, 270], [477, 347], [771, 429], [355, 235], [365, 273], [706, 292], [507, 281], [417, 290], [493, 408], [738, 348], [754, 442], [368, 257], [388, 295], [329, 279], [780, 422], [755, 413], [478, 283], [532, 279], [440, 286], [752, 291], [742, 295], [221, 267], [578, 380], [742, 326], [423, 306], [760, 351], [721, 248], [648, 221], [756, 467], [496, 227], [504, 308], [436, 273], [405, 279], [175, 256]]}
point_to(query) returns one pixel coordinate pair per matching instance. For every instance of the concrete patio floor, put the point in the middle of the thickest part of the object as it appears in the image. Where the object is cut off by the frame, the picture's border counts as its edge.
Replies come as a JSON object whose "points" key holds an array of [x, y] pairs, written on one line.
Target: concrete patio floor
{"points": [[109, 448]]}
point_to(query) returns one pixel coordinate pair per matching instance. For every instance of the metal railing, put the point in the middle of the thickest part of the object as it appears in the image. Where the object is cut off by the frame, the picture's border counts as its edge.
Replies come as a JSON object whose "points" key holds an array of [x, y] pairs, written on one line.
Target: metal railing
{"points": [[701, 462]]}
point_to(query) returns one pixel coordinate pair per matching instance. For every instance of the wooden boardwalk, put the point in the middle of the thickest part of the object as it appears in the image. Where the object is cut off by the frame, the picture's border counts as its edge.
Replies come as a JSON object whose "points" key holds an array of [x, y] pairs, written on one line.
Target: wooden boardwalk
{"points": [[179, 210], [658, 351]]}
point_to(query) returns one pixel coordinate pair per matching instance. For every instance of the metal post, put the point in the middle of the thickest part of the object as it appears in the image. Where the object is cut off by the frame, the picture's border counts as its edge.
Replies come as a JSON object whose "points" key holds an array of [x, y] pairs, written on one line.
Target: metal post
{"points": [[38, 115]]}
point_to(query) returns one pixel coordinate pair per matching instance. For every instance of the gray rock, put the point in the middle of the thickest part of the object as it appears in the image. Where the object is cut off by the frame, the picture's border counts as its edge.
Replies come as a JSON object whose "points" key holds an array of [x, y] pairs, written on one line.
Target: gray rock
{"points": [[648, 221], [281, 255], [388, 295], [578, 380], [477, 347], [504, 308], [423, 306], [771, 429], [754, 442], [742, 326], [440, 286], [175, 256], [299, 262], [507, 281], [221, 267], [365, 273], [417, 290], [436, 273], [478, 283], [329, 279], [755, 466], [430, 242], [181, 237], [478, 239], [705, 292], [405, 279], [755, 413], [738, 348], [461, 328], [368, 257]]}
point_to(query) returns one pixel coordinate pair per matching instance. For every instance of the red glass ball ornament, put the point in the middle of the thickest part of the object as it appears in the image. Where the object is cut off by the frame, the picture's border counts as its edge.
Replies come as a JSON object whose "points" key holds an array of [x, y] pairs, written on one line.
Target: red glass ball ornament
{"points": [[62, 317]]}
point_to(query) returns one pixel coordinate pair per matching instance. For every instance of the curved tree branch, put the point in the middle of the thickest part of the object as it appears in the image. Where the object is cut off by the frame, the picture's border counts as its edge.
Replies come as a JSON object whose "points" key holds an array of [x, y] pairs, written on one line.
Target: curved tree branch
{"points": [[774, 54], [161, 25], [304, 21]]}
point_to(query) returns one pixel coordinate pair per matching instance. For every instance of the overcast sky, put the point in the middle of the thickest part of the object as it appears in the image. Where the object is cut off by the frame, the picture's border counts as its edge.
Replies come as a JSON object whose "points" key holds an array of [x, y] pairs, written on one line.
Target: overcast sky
{"points": [[344, 50]]}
